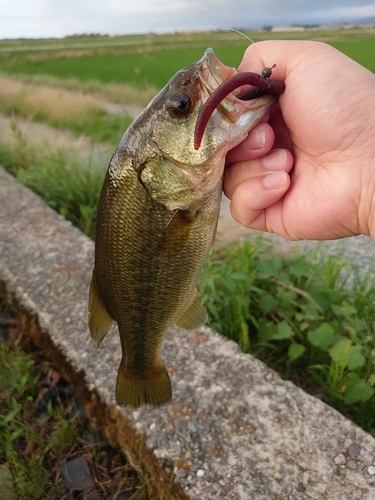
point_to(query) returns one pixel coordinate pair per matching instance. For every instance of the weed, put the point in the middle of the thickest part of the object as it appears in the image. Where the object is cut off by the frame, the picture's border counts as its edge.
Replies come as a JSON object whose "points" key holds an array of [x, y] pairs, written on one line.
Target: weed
{"points": [[37, 435], [18, 437], [29, 480], [297, 315]]}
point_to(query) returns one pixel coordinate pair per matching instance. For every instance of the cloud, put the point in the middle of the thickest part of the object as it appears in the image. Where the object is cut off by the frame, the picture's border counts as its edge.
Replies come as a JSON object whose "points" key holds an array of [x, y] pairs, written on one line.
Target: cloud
{"points": [[48, 18]]}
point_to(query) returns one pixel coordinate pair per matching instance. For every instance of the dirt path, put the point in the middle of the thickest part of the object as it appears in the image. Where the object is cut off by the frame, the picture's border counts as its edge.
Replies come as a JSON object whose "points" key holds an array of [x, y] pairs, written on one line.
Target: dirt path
{"points": [[114, 108], [38, 131]]}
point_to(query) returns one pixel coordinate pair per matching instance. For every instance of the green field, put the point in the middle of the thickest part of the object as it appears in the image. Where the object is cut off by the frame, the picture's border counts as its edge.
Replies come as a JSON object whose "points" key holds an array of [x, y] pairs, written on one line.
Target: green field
{"points": [[127, 70], [153, 59]]}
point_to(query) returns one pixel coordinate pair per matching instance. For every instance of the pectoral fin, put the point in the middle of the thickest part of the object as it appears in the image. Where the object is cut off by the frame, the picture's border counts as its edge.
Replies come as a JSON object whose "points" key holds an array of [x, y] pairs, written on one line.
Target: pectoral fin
{"points": [[177, 232], [193, 316], [214, 236], [100, 321]]}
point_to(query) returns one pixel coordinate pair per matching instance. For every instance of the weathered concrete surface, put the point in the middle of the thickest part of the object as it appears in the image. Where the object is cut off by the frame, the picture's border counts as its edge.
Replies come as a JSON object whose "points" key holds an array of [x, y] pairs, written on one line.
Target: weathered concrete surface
{"points": [[233, 430]]}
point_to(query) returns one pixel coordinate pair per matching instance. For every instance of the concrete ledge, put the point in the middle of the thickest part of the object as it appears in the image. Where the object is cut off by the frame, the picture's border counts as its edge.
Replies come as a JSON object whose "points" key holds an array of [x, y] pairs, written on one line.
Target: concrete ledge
{"points": [[233, 430]]}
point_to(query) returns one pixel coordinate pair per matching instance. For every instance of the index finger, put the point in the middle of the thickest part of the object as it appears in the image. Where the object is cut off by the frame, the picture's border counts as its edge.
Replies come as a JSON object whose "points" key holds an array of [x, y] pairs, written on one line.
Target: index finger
{"points": [[258, 143]]}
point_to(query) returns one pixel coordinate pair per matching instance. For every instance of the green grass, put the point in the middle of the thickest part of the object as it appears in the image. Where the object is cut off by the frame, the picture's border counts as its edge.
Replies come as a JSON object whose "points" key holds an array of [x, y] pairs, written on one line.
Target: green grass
{"points": [[297, 314], [69, 183], [140, 61], [153, 59], [96, 124], [37, 435], [129, 66], [22, 444], [140, 70]]}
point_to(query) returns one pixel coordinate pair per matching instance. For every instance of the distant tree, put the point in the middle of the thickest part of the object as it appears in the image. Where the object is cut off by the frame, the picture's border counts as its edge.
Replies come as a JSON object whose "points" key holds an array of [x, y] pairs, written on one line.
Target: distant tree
{"points": [[86, 35]]}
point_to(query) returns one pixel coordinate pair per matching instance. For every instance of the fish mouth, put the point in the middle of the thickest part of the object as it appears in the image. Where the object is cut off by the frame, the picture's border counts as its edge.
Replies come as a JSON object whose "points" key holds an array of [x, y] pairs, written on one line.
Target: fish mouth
{"points": [[227, 124], [213, 73]]}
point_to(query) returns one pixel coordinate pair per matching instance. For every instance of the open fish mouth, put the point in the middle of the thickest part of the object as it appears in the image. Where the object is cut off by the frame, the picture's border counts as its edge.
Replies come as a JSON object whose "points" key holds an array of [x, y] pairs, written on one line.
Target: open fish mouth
{"points": [[225, 88], [213, 71]]}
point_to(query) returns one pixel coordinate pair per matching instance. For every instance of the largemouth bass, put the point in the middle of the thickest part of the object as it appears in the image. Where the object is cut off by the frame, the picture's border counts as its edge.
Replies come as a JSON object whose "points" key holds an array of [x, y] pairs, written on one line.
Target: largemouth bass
{"points": [[156, 222]]}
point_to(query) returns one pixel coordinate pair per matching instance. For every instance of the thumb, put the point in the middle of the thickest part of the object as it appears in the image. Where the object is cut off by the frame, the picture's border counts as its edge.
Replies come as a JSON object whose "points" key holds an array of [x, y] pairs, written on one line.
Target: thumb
{"points": [[286, 54]]}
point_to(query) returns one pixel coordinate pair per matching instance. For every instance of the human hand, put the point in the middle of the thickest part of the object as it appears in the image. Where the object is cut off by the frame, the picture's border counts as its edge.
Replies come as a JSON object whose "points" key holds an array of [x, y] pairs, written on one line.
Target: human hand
{"points": [[326, 121]]}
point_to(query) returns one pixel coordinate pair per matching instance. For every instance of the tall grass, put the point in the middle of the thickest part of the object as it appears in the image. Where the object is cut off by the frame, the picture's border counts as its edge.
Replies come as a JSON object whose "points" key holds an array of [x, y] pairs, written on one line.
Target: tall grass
{"points": [[68, 182], [80, 113], [113, 91], [56, 104]]}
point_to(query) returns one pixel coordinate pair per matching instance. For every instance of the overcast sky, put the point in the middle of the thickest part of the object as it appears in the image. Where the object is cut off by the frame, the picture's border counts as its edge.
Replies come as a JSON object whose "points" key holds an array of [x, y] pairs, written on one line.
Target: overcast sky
{"points": [[58, 18]]}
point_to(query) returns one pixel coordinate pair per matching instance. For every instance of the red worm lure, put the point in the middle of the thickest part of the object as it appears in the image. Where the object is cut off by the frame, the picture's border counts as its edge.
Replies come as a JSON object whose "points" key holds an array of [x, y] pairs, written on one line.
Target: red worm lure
{"points": [[261, 85]]}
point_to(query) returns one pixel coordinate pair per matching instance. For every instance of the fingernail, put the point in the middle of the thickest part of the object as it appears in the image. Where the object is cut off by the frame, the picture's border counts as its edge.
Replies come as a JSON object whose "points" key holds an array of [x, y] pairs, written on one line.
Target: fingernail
{"points": [[275, 160], [256, 139], [275, 180]]}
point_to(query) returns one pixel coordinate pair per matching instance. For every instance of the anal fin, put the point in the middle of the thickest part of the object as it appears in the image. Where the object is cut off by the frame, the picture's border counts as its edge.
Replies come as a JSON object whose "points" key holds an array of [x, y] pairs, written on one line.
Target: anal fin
{"points": [[194, 314], [100, 321]]}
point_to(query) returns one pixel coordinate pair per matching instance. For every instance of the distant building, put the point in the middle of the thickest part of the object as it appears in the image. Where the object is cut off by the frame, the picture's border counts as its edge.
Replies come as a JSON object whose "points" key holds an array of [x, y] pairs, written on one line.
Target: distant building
{"points": [[277, 29]]}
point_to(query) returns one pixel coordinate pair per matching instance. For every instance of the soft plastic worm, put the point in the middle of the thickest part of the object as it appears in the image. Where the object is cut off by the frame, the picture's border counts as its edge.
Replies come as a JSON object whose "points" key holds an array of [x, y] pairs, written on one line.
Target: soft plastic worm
{"points": [[261, 85]]}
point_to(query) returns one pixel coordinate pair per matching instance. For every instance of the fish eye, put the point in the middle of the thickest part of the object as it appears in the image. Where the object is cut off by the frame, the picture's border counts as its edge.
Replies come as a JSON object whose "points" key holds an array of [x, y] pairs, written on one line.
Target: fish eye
{"points": [[180, 105]]}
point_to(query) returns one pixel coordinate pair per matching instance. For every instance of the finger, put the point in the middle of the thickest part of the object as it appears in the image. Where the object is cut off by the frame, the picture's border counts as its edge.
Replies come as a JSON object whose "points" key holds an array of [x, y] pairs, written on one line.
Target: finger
{"points": [[258, 143], [253, 196], [276, 160]]}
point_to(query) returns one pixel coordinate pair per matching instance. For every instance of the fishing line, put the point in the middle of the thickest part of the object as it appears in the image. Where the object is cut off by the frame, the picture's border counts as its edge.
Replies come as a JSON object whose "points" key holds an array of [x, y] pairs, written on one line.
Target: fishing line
{"points": [[217, 30]]}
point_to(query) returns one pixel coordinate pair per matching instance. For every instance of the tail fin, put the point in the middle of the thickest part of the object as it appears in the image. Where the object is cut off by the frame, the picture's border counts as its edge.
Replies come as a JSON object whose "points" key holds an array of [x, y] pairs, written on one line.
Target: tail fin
{"points": [[149, 388]]}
